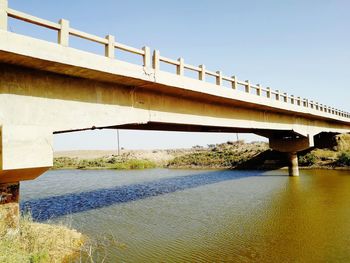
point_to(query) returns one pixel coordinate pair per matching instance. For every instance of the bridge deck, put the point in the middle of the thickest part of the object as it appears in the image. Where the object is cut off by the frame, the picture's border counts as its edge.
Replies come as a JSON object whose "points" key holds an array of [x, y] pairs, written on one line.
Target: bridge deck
{"points": [[42, 55], [59, 58]]}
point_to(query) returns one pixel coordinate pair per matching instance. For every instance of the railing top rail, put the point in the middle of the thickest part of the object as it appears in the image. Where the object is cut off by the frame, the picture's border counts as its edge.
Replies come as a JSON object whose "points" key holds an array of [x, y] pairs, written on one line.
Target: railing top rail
{"points": [[64, 31], [87, 36], [129, 49], [169, 61], [32, 19]]}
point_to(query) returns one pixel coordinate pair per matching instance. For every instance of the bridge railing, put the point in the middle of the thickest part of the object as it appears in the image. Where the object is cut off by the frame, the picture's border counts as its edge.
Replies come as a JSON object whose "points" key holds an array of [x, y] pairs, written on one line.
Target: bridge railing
{"points": [[64, 31]]}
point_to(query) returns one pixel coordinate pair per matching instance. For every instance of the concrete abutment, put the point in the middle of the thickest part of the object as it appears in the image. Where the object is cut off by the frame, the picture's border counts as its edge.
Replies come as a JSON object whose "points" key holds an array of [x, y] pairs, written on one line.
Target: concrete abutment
{"points": [[25, 153]]}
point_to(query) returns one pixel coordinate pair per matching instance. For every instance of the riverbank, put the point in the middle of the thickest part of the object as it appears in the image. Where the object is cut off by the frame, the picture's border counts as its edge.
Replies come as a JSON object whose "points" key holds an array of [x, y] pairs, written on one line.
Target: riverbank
{"points": [[216, 156], [37, 242], [127, 159], [229, 155]]}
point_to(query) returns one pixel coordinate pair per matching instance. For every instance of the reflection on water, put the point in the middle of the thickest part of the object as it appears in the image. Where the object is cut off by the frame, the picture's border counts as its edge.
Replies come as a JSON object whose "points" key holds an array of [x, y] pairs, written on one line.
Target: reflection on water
{"points": [[165, 215]]}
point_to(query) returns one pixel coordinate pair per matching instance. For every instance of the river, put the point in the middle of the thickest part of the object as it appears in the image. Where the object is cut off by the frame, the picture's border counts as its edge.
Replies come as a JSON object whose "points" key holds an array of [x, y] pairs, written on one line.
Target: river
{"points": [[163, 215]]}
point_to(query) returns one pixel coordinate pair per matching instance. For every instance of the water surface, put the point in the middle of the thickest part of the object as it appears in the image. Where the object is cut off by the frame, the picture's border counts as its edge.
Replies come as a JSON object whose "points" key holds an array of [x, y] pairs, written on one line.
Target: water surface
{"points": [[163, 215]]}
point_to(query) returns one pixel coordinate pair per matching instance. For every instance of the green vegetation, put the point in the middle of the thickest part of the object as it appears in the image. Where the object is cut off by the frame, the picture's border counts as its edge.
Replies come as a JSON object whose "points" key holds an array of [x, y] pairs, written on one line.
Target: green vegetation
{"points": [[308, 159], [344, 159], [134, 164], [113, 162], [38, 243], [319, 158]]}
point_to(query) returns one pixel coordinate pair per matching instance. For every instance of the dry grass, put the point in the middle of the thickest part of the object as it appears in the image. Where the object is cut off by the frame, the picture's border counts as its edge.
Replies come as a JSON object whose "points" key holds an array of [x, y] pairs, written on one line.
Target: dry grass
{"points": [[224, 155], [325, 154], [39, 243], [343, 142]]}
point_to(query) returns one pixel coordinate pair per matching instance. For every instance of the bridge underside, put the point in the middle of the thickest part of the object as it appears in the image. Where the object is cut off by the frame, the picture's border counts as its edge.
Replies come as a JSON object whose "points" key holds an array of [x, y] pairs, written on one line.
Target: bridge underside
{"points": [[179, 127]]}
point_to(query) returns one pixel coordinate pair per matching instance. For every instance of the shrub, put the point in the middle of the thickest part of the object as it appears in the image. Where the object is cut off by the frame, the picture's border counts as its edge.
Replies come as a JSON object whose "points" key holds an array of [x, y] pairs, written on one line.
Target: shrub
{"points": [[134, 164], [308, 159], [344, 159]]}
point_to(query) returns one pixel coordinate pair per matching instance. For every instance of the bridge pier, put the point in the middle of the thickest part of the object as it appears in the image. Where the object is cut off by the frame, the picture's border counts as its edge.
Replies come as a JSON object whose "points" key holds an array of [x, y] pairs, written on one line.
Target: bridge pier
{"points": [[291, 145], [9, 207], [293, 166]]}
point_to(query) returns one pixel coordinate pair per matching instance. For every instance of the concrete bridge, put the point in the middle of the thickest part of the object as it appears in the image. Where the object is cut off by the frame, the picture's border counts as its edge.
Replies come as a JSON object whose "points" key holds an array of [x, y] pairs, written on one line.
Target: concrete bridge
{"points": [[48, 88]]}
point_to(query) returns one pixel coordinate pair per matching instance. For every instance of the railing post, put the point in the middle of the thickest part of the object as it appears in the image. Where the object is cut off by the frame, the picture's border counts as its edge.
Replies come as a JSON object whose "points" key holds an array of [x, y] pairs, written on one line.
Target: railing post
{"points": [[285, 97], [202, 72], [258, 91], [109, 48], [299, 101], [180, 69], [156, 59], [268, 92], [234, 82], [63, 33], [3, 14], [219, 78], [247, 86], [147, 57], [278, 94], [292, 99]]}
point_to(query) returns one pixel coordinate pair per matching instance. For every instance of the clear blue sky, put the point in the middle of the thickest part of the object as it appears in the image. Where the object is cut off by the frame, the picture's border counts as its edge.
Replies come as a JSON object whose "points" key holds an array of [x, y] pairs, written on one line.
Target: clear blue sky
{"points": [[301, 47]]}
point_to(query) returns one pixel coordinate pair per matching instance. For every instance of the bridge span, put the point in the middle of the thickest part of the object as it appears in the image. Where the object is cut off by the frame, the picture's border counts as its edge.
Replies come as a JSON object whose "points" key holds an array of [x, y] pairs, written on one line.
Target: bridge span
{"points": [[48, 88]]}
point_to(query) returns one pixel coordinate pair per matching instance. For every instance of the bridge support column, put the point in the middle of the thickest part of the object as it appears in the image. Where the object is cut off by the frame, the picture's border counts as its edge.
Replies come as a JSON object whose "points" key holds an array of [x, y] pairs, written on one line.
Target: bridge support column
{"points": [[291, 145], [293, 166], [9, 208]]}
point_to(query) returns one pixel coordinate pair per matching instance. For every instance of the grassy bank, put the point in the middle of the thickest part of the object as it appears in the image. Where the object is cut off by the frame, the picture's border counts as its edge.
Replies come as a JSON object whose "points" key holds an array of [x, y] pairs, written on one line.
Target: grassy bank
{"points": [[109, 162], [257, 155], [229, 155], [36, 243], [336, 156], [321, 158], [224, 155]]}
